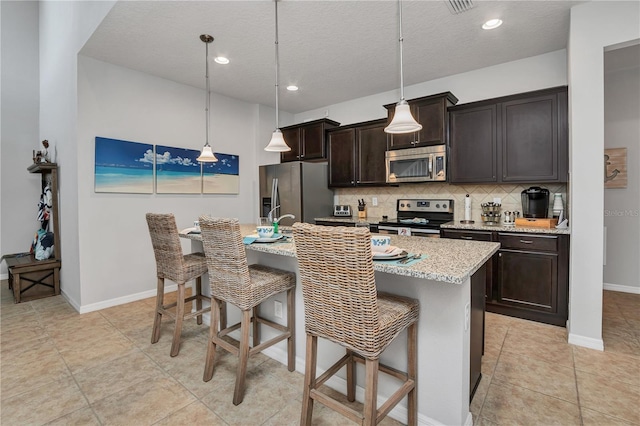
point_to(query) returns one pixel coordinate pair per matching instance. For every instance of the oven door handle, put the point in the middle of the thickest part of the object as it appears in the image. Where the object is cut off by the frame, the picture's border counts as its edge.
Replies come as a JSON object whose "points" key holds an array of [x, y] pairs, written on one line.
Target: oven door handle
{"points": [[413, 230]]}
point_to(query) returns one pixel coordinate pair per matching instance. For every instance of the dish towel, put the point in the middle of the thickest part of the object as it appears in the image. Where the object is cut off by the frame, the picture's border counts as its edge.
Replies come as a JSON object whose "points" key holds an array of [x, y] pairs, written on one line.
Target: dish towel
{"points": [[249, 240], [399, 262]]}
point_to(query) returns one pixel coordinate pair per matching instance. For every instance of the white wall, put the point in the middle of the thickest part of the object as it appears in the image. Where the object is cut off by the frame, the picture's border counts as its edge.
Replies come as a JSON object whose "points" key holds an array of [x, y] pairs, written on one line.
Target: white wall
{"points": [[537, 72], [594, 26], [19, 134], [64, 28], [622, 205], [120, 103]]}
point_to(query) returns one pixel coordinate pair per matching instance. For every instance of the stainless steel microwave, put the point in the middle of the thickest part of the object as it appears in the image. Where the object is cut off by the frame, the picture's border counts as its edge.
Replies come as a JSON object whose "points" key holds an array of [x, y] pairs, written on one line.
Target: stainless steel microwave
{"points": [[417, 164]]}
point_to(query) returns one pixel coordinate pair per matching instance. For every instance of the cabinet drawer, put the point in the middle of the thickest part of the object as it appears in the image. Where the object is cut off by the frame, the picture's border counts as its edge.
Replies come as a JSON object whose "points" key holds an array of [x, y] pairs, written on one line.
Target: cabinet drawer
{"points": [[466, 235], [528, 242]]}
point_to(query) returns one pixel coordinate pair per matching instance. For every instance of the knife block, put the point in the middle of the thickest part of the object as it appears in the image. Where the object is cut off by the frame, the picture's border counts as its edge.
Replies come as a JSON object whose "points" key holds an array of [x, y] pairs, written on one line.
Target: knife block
{"points": [[362, 212]]}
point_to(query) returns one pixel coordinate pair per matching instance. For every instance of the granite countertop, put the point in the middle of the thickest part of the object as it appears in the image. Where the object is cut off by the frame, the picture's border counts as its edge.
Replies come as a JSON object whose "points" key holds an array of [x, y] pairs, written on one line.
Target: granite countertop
{"points": [[478, 226], [448, 260]]}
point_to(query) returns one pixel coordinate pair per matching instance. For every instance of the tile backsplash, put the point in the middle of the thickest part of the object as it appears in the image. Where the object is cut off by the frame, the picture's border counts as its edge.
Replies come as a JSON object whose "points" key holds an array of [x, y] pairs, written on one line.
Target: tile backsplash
{"points": [[509, 196]]}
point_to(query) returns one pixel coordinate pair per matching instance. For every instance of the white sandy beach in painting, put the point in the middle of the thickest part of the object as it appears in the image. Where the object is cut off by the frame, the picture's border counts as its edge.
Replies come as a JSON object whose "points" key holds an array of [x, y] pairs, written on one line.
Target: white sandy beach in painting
{"points": [[174, 184], [221, 184]]}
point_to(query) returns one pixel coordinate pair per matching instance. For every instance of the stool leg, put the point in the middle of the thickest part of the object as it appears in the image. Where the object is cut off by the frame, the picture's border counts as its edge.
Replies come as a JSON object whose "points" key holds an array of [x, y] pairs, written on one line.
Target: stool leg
{"points": [[309, 379], [175, 345], [243, 357], [371, 392], [291, 325], [223, 314], [155, 334], [351, 377], [412, 370], [256, 326], [211, 344], [199, 299]]}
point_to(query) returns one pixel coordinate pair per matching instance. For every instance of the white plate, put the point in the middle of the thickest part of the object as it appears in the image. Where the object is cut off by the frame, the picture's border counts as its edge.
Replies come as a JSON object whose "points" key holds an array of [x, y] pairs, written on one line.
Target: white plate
{"points": [[394, 255], [272, 239]]}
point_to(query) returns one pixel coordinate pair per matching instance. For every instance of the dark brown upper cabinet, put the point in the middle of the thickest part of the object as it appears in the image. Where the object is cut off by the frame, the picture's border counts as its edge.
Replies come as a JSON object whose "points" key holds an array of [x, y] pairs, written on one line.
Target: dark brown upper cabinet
{"points": [[306, 140], [518, 138], [357, 154], [431, 112]]}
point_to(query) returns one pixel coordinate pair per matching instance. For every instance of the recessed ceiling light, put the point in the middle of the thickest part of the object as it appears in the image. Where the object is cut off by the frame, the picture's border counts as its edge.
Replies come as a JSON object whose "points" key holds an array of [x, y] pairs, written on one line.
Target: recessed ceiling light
{"points": [[491, 24], [221, 60], [292, 88]]}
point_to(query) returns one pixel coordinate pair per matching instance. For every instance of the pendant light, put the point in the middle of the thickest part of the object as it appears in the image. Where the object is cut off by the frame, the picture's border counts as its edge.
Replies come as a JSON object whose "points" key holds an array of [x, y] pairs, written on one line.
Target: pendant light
{"points": [[403, 121], [277, 143], [206, 156]]}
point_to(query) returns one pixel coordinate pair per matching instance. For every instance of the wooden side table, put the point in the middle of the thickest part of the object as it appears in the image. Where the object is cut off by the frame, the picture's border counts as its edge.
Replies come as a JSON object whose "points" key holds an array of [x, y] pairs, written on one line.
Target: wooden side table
{"points": [[32, 279]]}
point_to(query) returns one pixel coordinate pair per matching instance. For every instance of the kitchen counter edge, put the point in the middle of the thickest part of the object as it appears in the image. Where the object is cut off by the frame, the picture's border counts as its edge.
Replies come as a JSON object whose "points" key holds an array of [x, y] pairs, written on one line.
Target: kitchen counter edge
{"points": [[502, 228], [448, 260]]}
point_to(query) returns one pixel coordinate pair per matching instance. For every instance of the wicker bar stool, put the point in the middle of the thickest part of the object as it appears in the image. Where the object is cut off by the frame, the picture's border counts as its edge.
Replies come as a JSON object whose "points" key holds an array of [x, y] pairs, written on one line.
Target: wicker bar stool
{"points": [[233, 281], [173, 265], [342, 305]]}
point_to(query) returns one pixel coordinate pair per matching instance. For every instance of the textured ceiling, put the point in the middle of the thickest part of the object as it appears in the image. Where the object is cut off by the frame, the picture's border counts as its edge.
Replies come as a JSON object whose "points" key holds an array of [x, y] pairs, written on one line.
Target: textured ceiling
{"points": [[333, 50]]}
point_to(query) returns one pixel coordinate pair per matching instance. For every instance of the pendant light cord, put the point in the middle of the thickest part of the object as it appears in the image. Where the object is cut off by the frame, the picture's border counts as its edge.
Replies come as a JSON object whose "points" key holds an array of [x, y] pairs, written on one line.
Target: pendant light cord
{"points": [[277, 67], [401, 39], [206, 108]]}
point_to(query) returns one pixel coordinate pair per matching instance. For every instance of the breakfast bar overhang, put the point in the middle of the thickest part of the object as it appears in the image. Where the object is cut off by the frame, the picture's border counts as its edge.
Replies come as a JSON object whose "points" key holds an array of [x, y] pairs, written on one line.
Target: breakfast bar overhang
{"points": [[442, 282]]}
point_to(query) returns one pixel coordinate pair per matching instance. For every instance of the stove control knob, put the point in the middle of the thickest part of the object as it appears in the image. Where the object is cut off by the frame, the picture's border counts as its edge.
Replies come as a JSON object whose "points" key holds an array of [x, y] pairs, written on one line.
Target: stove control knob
{"points": [[408, 204], [401, 204], [437, 206], [444, 206]]}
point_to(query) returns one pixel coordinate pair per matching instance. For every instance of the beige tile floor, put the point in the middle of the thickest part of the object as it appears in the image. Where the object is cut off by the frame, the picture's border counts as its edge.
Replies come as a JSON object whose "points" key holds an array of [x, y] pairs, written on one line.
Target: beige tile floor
{"points": [[61, 368]]}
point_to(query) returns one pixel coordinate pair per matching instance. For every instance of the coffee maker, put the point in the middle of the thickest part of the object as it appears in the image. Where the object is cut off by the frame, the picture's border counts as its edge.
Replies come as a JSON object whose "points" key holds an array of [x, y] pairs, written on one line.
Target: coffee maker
{"points": [[535, 202]]}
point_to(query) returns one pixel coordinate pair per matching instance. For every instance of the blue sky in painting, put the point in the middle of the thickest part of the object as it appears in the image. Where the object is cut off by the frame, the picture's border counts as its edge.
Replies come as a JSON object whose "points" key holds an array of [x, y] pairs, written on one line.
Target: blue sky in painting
{"points": [[117, 153], [227, 164], [177, 159]]}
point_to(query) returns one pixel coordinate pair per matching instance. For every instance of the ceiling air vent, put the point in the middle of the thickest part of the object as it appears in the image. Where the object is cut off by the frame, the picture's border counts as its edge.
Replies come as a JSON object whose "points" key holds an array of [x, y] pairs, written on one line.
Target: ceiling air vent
{"points": [[459, 6]]}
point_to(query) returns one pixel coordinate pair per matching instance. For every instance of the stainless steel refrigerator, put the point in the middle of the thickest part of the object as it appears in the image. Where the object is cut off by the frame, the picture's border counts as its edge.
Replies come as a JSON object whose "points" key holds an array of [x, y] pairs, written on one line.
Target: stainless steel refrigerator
{"points": [[299, 188]]}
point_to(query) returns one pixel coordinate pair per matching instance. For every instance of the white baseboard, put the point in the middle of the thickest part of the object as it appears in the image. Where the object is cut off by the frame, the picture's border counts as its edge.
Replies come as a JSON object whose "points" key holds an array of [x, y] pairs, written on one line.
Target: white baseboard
{"points": [[621, 288], [120, 300], [587, 342]]}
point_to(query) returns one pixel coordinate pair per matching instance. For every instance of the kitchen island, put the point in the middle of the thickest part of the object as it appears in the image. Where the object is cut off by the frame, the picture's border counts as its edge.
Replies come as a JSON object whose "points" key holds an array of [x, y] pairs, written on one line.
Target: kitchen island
{"points": [[442, 282]]}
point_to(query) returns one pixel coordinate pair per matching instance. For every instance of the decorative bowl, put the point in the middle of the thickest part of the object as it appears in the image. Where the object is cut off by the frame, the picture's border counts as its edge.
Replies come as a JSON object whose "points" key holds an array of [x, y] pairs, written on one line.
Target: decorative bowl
{"points": [[380, 243], [265, 231]]}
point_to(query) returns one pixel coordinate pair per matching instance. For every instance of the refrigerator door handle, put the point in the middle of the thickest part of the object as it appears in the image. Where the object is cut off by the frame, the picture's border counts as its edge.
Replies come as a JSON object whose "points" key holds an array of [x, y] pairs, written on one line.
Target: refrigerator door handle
{"points": [[274, 196]]}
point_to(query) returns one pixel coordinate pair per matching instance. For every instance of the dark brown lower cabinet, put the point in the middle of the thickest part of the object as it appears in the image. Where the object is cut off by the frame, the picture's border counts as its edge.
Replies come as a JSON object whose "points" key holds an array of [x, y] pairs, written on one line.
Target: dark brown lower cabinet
{"points": [[532, 279], [528, 278]]}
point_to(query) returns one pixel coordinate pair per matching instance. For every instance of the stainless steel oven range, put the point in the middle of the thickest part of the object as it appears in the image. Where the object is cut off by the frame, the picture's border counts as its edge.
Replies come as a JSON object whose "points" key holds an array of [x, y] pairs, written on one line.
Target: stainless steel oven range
{"points": [[418, 217]]}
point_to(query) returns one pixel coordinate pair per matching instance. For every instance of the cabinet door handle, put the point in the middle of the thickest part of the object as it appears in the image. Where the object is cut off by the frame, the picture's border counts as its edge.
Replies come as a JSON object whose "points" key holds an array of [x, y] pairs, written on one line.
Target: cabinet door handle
{"points": [[464, 237], [526, 242]]}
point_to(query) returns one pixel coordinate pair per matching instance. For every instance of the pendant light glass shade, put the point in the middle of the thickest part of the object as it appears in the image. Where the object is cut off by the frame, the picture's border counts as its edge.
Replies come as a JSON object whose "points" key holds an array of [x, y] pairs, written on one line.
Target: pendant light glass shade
{"points": [[277, 143], [206, 156], [403, 121]]}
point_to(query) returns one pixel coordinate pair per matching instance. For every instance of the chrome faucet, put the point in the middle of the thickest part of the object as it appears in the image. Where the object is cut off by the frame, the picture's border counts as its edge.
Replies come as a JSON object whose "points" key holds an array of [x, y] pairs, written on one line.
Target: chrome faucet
{"points": [[277, 220], [270, 214], [282, 217]]}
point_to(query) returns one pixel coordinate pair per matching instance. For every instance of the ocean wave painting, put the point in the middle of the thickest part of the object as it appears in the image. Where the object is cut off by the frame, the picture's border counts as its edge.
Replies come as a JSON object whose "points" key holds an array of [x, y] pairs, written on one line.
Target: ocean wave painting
{"points": [[123, 166], [223, 176], [177, 171]]}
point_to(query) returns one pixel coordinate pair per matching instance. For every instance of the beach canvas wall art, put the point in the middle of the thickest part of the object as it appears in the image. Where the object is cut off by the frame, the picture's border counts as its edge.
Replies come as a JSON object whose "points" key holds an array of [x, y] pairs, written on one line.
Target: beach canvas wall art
{"points": [[123, 166], [177, 171], [221, 177]]}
